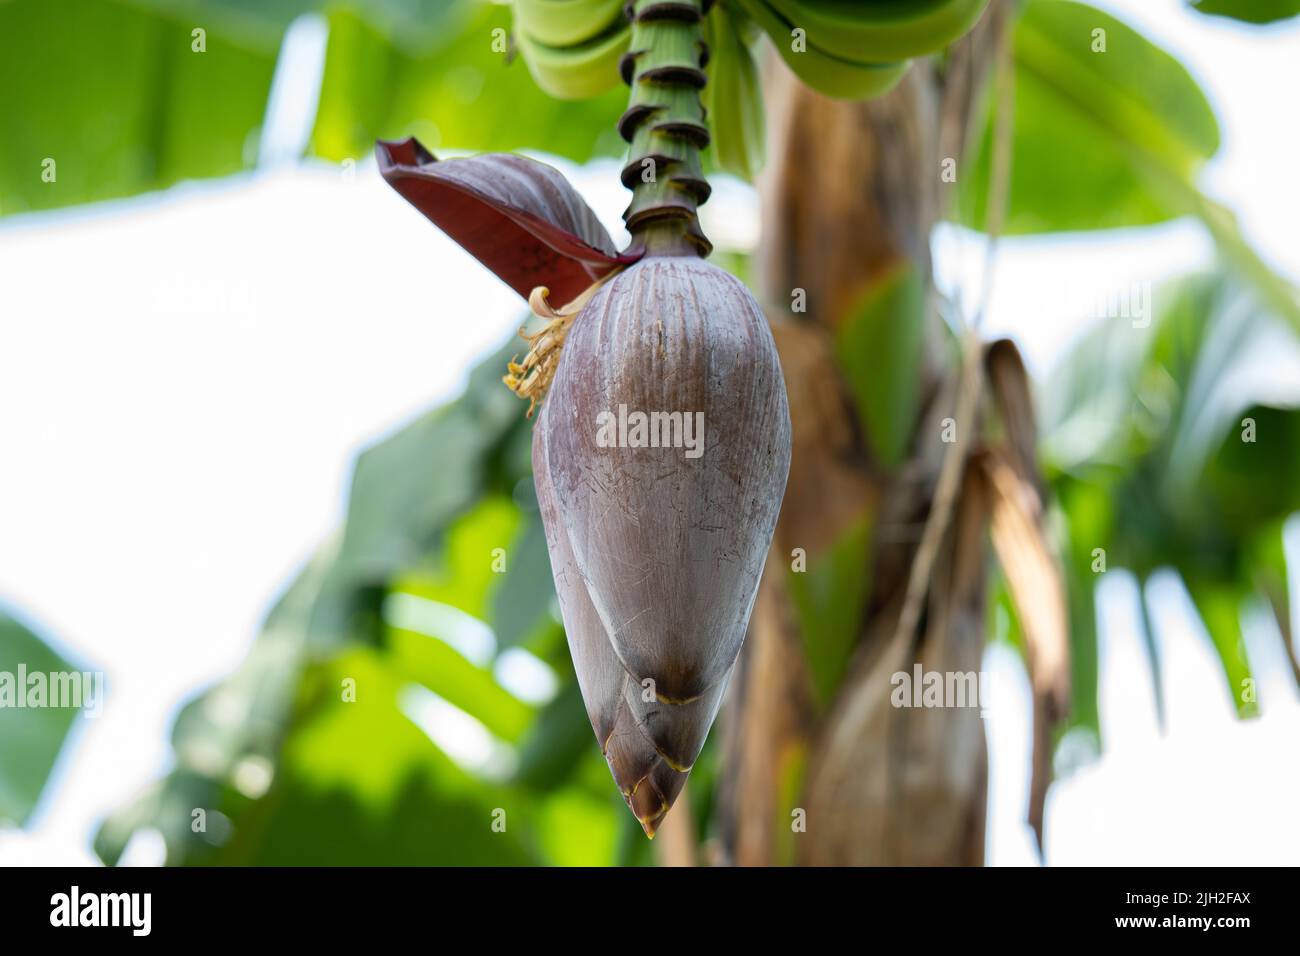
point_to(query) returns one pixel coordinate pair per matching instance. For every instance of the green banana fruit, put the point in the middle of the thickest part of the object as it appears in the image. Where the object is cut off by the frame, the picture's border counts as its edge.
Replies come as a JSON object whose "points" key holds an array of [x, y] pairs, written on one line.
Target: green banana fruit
{"points": [[565, 23], [849, 49], [816, 66], [572, 47], [578, 72], [880, 31]]}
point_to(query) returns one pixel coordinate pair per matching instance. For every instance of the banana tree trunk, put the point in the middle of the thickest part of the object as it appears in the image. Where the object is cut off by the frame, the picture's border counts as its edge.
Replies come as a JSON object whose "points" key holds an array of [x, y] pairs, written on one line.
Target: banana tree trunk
{"points": [[852, 191]]}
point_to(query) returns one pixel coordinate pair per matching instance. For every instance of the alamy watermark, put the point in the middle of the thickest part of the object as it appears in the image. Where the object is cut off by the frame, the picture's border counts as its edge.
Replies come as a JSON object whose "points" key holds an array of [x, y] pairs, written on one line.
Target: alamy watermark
{"points": [[638, 429], [1127, 301], [129, 910], [922, 688], [82, 690]]}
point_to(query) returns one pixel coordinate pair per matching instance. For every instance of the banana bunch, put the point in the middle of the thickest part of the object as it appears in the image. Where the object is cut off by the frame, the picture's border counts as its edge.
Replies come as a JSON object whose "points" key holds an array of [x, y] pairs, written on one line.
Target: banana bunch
{"points": [[851, 49], [572, 47], [856, 49]]}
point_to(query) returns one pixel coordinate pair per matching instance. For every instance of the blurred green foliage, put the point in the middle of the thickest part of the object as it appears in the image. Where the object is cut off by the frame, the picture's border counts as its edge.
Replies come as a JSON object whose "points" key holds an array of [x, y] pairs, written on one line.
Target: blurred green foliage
{"points": [[107, 99], [1251, 11], [30, 737], [119, 95], [1118, 119], [455, 92], [301, 775], [830, 598], [1163, 454], [885, 333]]}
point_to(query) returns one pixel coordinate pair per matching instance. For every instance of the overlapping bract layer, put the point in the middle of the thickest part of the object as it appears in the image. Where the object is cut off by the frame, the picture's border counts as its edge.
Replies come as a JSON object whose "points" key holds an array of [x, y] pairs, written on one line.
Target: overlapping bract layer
{"points": [[657, 555], [520, 218]]}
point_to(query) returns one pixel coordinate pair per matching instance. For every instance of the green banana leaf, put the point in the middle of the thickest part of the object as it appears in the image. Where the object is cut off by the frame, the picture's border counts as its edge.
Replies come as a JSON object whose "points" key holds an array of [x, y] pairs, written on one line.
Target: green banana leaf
{"points": [[358, 781], [521, 602], [108, 99], [1084, 522], [879, 345], [830, 598], [1108, 131], [263, 22], [733, 98], [1162, 454], [33, 737], [1110, 117], [456, 92], [1251, 11], [134, 100]]}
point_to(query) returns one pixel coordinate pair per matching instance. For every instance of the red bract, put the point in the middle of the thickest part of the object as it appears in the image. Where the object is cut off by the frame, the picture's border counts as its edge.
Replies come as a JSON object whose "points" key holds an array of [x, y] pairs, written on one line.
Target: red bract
{"points": [[520, 218]]}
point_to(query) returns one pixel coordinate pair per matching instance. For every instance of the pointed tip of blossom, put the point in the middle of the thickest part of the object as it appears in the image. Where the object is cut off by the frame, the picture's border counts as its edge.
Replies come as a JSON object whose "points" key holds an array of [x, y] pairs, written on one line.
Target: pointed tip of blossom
{"points": [[404, 152]]}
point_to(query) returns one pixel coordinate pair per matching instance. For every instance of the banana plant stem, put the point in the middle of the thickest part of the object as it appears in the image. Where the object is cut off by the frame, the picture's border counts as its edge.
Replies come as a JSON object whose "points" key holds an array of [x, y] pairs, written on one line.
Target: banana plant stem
{"points": [[665, 127]]}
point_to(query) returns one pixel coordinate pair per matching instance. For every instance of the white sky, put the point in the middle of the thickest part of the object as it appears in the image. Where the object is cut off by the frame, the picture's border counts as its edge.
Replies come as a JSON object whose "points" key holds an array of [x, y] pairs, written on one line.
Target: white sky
{"points": [[184, 380]]}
